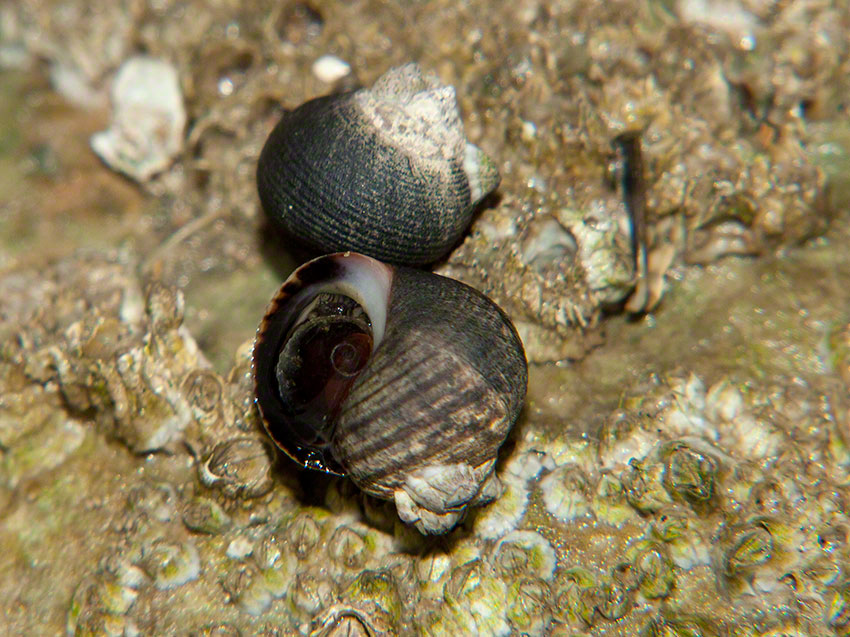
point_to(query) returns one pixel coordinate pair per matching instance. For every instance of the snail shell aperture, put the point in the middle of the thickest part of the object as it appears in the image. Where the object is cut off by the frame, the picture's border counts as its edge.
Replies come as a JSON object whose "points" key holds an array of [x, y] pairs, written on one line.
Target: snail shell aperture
{"points": [[385, 171], [406, 381]]}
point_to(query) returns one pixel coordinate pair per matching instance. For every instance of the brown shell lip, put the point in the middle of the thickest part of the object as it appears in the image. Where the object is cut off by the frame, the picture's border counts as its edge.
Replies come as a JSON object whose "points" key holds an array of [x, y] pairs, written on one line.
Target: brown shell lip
{"points": [[270, 335]]}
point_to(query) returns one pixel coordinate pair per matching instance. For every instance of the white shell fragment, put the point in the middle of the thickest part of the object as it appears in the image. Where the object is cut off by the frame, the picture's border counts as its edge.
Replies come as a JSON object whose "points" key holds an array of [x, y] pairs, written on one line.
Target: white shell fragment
{"points": [[148, 119], [239, 548], [330, 68], [728, 17]]}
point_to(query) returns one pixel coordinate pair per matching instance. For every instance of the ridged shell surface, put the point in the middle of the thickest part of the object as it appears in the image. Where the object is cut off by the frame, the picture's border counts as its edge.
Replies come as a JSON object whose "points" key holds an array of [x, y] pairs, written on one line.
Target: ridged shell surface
{"points": [[385, 171], [423, 418], [450, 363]]}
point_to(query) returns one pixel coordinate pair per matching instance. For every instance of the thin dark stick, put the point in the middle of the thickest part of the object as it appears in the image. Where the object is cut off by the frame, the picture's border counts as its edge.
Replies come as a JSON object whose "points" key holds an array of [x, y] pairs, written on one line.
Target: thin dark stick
{"points": [[634, 195]]}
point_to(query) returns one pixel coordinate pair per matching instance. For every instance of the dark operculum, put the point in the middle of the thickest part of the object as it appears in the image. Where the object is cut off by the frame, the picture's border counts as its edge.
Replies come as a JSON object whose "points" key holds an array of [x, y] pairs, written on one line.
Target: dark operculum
{"points": [[322, 357]]}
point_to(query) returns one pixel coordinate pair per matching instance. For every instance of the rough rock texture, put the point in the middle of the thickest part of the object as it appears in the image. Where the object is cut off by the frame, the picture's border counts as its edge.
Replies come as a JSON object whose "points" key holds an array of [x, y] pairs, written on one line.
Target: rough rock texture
{"points": [[687, 476]]}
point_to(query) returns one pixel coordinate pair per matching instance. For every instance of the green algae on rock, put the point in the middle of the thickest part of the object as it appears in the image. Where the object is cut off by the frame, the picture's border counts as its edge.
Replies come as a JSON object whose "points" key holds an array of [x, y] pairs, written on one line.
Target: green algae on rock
{"points": [[731, 398]]}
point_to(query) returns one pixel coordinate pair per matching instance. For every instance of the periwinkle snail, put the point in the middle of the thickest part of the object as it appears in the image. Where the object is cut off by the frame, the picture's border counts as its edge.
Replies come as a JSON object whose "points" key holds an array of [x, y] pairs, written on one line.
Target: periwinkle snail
{"points": [[405, 381], [385, 171]]}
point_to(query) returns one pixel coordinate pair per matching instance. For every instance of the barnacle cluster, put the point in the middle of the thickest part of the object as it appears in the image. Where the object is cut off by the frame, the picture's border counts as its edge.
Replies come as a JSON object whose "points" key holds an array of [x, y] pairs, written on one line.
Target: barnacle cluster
{"points": [[701, 518], [730, 114], [700, 491], [687, 498], [118, 363]]}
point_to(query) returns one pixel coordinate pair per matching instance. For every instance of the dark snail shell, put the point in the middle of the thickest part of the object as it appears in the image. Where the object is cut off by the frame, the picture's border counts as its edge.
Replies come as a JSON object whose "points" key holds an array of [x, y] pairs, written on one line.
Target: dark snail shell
{"points": [[406, 381], [385, 171]]}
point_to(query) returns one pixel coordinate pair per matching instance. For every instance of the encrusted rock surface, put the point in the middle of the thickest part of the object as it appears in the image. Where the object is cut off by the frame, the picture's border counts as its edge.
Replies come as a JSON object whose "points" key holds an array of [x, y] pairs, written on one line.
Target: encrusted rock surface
{"points": [[687, 474]]}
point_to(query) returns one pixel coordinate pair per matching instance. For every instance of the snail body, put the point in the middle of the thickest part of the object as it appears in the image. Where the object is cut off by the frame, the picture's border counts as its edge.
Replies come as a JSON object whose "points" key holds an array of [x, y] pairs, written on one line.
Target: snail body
{"points": [[385, 171], [405, 381]]}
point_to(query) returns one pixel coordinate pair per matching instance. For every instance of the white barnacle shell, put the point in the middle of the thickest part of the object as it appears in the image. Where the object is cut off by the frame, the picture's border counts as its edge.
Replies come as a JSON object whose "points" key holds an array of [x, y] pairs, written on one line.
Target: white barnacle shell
{"points": [[524, 553], [566, 493], [171, 565]]}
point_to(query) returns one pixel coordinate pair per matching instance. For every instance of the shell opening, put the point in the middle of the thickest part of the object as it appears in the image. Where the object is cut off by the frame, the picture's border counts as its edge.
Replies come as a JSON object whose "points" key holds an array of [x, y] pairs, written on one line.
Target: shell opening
{"points": [[324, 353], [316, 338]]}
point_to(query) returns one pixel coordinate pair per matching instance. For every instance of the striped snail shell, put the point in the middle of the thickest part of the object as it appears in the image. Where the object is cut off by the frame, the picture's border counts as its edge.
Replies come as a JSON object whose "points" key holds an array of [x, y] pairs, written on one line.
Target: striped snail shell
{"points": [[403, 380], [385, 171]]}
